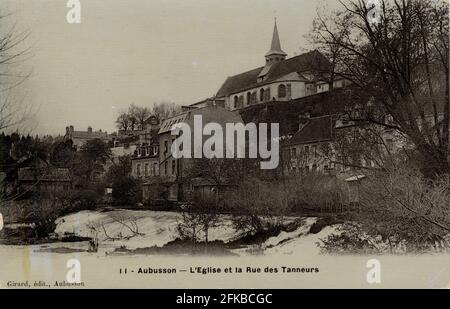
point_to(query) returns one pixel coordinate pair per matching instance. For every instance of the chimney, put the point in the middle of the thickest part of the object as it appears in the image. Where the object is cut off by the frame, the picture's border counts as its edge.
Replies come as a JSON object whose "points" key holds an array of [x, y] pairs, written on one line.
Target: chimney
{"points": [[303, 120], [67, 130], [90, 130], [71, 129]]}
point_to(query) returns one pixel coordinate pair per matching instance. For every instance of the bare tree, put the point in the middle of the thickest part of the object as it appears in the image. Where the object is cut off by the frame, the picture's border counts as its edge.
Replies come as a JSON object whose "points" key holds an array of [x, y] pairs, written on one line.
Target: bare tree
{"points": [[135, 117], [128, 228], [331, 50], [219, 171], [402, 205], [165, 110], [123, 121], [139, 114], [14, 110], [400, 64], [199, 218], [260, 207]]}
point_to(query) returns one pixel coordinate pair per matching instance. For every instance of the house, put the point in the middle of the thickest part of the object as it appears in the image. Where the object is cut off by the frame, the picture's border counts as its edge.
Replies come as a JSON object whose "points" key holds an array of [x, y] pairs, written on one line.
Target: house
{"points": [[79, 138], [280, 79], [207, 102], [44, 178], [119, 152], [145, 160], [332, 144], [174, 173], [307, 149]]}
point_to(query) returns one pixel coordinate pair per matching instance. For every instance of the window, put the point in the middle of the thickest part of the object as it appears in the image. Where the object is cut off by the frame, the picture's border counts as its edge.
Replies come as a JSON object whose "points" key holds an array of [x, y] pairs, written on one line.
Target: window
{"points": [[267, 94], [249, 98], [236, 101], [261, 95], [155, 169], [289, 91], [241, 101], [139, 152], [138, 170], [166, 165], [253, 98], [173, 167], [166, 147], [281, 91], [146, 170]]}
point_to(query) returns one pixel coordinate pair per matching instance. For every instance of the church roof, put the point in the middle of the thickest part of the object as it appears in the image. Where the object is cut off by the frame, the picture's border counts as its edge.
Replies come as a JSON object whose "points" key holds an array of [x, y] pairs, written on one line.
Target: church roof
{"points": [[311, 61]]}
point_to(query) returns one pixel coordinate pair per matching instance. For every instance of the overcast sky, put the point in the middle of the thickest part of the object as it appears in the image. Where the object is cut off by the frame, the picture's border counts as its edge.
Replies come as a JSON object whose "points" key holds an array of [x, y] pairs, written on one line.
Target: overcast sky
{"points": [[145, 51]]}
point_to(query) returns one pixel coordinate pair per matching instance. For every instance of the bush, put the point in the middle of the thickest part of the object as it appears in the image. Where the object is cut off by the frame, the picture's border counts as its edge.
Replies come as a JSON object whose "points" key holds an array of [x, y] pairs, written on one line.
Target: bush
{"points": [[259, 207], [80, 200], [198, 218], [41, 213], [350, 240], [316, 193], [402, 205], [126, 191], [400, 211]]}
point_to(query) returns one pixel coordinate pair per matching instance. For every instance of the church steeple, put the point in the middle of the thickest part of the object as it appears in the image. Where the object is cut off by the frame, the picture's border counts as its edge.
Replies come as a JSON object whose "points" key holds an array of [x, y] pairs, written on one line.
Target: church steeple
{"points": [[275, 53]]}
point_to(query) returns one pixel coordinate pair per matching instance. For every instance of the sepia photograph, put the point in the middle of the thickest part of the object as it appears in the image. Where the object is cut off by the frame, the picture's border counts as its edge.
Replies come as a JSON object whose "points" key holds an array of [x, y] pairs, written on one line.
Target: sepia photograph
{"points": [[223, 144]]}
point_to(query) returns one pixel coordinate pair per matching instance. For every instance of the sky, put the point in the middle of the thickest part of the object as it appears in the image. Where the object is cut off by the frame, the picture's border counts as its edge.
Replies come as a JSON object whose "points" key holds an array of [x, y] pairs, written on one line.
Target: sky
{"points": [[144, 51]]}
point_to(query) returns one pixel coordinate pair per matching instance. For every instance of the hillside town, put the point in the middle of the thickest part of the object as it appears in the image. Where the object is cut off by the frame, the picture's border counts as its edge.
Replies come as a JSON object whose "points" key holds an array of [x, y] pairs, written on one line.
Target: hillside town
{"points": [[363, 148]]}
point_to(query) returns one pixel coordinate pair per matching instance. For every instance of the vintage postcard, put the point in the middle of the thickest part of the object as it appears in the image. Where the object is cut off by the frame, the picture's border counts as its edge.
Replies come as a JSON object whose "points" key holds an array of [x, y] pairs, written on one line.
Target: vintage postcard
{"points": [[224, 144]]}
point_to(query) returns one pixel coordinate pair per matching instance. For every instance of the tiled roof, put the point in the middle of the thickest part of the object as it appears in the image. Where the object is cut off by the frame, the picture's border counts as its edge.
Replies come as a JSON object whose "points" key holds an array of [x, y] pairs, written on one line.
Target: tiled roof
{"points": [[311, 61], [92, 135], [44, 174], [319, 129]]}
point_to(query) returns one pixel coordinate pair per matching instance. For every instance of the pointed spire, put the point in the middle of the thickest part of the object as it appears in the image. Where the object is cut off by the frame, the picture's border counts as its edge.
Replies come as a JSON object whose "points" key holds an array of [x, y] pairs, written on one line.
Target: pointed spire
{"points": [[275, 48]]}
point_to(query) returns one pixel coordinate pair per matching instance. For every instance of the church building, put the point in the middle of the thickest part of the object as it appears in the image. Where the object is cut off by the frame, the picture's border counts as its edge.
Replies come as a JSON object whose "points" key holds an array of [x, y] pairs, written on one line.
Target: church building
{"points": [[280, 79]]}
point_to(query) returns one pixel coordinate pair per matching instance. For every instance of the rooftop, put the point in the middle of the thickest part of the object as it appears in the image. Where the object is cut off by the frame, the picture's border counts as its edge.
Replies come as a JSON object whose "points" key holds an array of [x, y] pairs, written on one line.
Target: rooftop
{"points": [[44, 174], [317, 129], [311, 61]]}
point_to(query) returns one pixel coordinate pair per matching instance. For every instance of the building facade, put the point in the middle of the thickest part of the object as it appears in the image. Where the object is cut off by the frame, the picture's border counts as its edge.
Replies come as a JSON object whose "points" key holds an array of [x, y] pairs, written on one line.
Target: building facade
{"points": [[145, 161], [44, 179], [79, 138], [334, 145], [175, 174]]}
